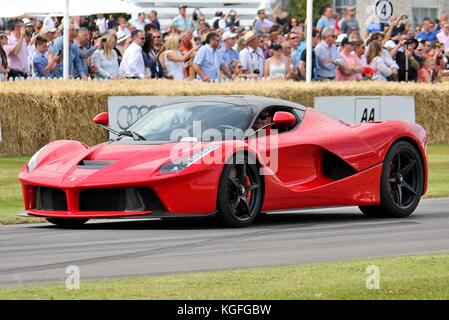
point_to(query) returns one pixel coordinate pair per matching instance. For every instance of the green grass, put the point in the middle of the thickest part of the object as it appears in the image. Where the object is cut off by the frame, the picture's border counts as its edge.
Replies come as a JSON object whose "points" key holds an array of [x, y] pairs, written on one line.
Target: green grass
{"points": [[409, 277], [438, 158], [11, 196]]}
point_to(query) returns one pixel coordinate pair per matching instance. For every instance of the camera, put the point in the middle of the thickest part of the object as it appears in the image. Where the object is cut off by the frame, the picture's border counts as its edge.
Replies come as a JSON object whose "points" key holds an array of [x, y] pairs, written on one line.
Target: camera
{"points": [[257, 71]]}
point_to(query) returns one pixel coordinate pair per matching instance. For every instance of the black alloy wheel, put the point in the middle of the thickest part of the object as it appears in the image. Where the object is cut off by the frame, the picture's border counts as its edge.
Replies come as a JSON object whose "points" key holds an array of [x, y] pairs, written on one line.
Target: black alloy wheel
{"points": [[402, 183], [240, 193]]}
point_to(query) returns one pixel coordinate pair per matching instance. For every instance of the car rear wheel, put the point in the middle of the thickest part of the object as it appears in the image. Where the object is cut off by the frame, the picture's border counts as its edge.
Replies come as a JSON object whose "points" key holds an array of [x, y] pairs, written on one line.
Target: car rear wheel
{"points": [[67, 223], [401, 183], [239, 193]]}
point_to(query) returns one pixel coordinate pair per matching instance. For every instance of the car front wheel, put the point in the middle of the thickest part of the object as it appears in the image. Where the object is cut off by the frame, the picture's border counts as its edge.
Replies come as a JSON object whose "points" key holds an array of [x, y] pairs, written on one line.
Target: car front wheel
{"points": [[240, 193]]}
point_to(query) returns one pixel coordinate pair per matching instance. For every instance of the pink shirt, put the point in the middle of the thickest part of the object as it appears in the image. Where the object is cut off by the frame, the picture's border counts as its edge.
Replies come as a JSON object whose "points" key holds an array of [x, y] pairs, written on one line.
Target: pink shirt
{"points": [[19, 62], [351, 61], [444, 39]]}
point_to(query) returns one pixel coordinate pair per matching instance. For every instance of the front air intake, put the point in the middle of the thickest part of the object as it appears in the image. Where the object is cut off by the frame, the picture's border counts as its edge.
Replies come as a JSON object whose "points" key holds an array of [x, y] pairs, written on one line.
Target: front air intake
{"points": [[51, 199]]}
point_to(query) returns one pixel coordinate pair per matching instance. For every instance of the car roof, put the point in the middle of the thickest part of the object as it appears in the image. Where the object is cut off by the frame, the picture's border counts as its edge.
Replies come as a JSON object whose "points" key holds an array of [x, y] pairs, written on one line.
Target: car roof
{"points": [[256, 102]]}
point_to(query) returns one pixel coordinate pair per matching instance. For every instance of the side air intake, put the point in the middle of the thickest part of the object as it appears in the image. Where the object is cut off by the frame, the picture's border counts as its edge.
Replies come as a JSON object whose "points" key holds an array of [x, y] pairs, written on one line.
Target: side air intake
{"points": [[335, 168]]}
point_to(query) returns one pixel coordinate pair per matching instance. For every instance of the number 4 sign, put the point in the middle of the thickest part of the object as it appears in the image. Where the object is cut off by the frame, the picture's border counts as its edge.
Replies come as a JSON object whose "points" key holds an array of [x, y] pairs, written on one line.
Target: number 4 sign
{"points": [[384, 10]]}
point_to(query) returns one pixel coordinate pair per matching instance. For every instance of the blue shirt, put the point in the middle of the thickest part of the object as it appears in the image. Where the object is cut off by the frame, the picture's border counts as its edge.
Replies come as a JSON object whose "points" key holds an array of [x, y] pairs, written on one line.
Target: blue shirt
{"points": [[430, 36], [209, 60], [325, 22], [324, 51], [296, 55], [227, 55], [38, 65], [74, 59]]}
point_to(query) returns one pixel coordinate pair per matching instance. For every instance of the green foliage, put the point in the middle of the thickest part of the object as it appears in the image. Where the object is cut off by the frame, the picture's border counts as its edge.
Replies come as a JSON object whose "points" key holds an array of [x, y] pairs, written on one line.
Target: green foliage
{"points": [[298, 8]]}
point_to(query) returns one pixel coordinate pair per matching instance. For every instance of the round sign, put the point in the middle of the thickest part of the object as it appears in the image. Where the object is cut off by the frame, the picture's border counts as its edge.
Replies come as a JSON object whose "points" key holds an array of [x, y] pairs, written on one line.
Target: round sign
{"points": [[384, 10]]}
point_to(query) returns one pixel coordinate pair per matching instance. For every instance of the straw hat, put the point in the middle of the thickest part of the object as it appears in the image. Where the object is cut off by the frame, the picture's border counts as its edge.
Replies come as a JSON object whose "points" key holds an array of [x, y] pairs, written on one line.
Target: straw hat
{"points": [[249, 36]]}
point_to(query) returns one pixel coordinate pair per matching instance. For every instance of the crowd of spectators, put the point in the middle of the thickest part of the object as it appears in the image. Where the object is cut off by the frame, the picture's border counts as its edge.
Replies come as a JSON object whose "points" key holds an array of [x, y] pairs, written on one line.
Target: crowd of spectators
{"points": [[220, 49]]}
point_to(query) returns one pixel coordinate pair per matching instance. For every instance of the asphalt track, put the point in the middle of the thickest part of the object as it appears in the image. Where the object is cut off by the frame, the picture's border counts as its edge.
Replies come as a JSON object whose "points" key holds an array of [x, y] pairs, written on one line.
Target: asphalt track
{"points": [[103, 249]]}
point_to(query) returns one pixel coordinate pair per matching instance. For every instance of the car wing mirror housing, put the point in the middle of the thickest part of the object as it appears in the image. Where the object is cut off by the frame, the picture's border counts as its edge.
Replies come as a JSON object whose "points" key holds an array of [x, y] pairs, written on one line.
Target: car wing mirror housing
{"points": [[284, 118], [102, 119]]}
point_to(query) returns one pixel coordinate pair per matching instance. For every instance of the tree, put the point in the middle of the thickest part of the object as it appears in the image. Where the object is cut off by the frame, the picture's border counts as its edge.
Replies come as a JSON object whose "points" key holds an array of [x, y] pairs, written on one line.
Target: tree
{"points": [[298, 8]]}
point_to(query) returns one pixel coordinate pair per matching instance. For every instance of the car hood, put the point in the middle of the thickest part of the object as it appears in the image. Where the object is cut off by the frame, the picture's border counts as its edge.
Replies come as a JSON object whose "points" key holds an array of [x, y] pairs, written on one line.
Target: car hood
{"points": [[108, 163]]}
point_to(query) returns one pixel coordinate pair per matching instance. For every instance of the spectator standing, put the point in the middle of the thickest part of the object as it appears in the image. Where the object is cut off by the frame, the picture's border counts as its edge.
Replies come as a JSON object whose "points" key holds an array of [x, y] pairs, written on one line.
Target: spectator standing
{"points": [[302, 69], [16, 50], [41, 66], [133, 65], [102, 23], [353, 66], [294, 39], [4, 70], [426, 32], [349, 23], [408, 60], [327, 19], [219, 21], [359, 51], [74, 56], [49, 23], [251, 57], [425, 74], [328, 56], [207, 61], [281, 19], [228, 53], [173, 59], [140, 22], [105, 59], [276, 67], [181, 21], [375, 61], [151, 58], [152, 18], [157, 40], [263, 24], [443, 36], [122, 28], [85, 51], [233, 20]]}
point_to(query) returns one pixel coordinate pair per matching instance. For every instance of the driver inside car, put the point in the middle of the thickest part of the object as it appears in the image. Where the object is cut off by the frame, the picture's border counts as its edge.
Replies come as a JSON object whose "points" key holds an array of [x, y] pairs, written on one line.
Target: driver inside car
{"points": [[262, 120]]}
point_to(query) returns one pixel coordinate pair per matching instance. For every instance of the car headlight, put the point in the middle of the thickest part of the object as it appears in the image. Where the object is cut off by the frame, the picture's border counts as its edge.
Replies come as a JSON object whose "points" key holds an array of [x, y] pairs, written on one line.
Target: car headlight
{"points": [[179, 165], [34, 160]]}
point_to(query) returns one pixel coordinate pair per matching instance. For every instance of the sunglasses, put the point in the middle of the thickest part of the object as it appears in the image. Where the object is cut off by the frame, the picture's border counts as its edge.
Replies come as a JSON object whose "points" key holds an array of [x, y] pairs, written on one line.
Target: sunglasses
{"points": [[143, 38], [264, 116], [293, 38]]}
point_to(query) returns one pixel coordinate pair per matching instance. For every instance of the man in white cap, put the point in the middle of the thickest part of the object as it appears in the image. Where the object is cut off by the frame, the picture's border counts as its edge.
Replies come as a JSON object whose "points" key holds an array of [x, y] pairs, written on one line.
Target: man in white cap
{"points": [[228, 53], [251, 57]]}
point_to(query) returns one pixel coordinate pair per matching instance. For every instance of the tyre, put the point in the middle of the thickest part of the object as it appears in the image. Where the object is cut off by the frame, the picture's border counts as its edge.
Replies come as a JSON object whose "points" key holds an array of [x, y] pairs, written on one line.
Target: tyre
{"points": [[401, 185], [240, 193], [67, 223]]}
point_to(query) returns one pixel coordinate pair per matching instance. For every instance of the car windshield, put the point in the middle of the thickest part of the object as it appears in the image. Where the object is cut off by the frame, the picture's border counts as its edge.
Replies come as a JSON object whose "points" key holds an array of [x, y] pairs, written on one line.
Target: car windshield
{"points": [[193, 121]]}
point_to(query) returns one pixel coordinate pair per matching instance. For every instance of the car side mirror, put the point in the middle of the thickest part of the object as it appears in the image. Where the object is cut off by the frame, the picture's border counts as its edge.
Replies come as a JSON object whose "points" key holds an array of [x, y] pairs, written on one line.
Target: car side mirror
{"points": [[283, 117], [102, 119]]}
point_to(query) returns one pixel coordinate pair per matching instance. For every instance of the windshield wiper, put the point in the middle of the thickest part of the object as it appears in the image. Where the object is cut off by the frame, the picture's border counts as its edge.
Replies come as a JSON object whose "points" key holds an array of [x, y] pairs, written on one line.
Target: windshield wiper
{"points": [[132, 134]]}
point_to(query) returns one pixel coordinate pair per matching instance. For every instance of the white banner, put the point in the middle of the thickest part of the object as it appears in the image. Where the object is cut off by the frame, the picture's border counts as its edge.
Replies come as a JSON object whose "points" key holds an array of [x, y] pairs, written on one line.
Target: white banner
{"points": [[365, 109], [125, 110]]}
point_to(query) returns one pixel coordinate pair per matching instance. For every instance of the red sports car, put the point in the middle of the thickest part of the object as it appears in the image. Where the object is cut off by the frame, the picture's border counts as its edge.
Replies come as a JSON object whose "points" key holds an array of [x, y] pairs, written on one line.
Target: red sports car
{"points": [[229, 156]]}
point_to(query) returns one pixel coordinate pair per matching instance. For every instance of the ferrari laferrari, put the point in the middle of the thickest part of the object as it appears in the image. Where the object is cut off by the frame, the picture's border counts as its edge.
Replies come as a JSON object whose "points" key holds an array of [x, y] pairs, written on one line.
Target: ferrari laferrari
{"points": [[231, 157]]}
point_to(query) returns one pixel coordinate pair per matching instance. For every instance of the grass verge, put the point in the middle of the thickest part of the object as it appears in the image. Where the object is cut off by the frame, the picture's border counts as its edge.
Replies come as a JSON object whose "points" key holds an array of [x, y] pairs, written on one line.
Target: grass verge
{"points": [[11, 196], [408, 277]]}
